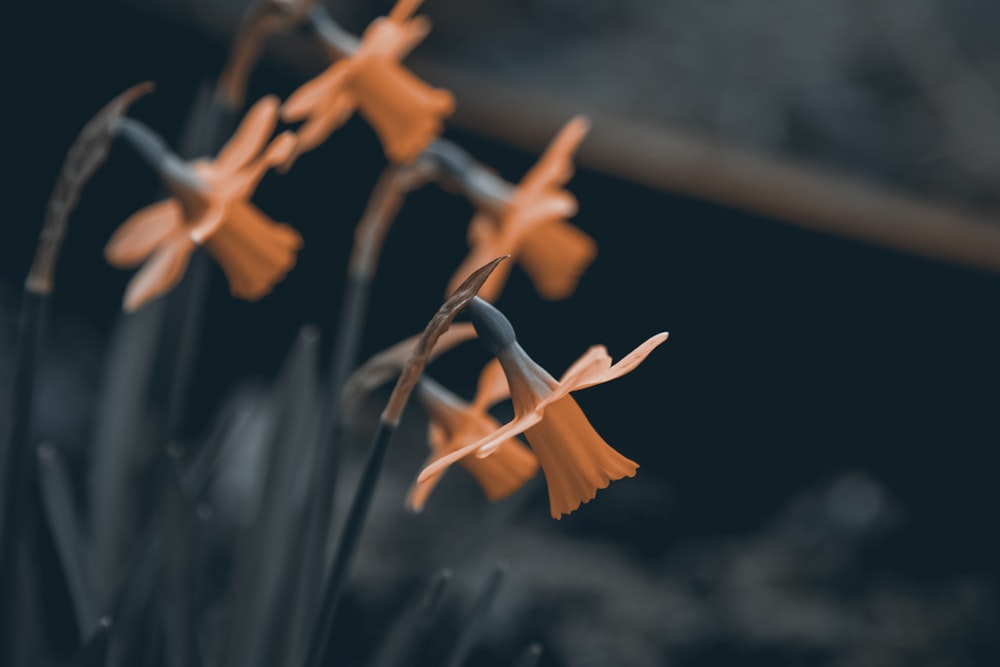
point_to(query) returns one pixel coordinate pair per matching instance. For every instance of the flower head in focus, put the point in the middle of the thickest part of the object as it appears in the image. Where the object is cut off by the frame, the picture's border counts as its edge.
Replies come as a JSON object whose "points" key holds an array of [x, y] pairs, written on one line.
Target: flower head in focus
{"points": [[532, 226], [210, 207], [455, 423], [405, 112], [575, 460]]}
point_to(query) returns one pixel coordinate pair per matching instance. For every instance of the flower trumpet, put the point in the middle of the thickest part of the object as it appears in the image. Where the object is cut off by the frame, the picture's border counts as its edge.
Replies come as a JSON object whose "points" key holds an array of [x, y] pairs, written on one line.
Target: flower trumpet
{"points": [[210, 206], [455, 423], [575, 460]]}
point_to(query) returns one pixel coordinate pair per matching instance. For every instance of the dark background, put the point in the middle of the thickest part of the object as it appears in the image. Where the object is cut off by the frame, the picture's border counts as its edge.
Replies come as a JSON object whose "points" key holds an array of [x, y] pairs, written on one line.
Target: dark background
{"points": [[794, 359]]}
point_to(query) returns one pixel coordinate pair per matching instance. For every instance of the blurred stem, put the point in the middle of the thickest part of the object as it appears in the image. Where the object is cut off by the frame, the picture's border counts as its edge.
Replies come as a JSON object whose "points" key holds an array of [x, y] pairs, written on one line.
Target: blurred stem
{"points": [[320, 644], [18, 460], [531, 656], [339, 42], [207, 128], [71, 546], [475, 621], [402, 643], [380, 213]]}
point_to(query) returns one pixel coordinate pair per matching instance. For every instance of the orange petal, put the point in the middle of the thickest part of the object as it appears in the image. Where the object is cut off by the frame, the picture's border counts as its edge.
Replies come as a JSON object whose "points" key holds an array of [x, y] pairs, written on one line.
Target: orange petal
{"points": [[419, 491], [503, 473], [555, 167], [255, 252], [492, 386], [555, 255], [404, 9], [597, 375], [161, 273], [533, 207], [145, 229], [246, 143], [591, 363], [324, 122], [405, 112], [576, 460], [208, 223], [311, 96], [505, 432], [243, 183], [386, 38], [413, 32]]}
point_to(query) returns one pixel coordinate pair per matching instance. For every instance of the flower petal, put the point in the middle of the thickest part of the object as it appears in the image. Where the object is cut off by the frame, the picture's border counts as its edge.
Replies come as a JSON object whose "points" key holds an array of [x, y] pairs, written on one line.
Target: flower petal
{"points": [[161, 273], [492, 386], [321, 124], [145, 229], [591, 363], [406, 113], [627, 364], [419, 491], [255, 252], [555, 255], [505, 472], [505, 432], [575, 459], [314, 94], [393, 39], [555, 167], [247, 142], [404, 9]]}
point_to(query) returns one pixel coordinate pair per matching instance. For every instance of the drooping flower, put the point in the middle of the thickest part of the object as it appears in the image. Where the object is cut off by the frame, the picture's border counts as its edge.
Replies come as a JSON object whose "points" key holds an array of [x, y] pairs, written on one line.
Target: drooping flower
{"points": [[210, 206], [575, 460], [405, 112], [455, 423], [532, 226]]}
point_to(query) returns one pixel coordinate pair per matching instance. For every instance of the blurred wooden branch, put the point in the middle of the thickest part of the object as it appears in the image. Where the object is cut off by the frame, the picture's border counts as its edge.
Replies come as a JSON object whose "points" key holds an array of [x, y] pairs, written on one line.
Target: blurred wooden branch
{"points": [[657, 155], [661, 157]]}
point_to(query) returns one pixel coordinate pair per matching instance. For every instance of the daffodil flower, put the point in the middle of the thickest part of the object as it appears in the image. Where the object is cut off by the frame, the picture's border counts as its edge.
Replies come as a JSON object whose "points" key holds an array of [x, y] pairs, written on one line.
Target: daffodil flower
{"points": [[455, 423], [405, 112], [532, 226], [210, 207], [575, 460]]}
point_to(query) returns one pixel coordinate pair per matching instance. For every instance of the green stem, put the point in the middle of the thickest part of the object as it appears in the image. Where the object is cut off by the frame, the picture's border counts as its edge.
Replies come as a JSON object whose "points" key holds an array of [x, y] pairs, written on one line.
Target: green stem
{"points": [[321, 642]]}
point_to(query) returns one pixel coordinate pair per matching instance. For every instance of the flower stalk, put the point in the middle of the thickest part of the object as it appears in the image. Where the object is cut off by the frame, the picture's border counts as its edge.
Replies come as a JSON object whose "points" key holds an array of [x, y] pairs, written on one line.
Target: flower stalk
{"points": [[320, 645]]}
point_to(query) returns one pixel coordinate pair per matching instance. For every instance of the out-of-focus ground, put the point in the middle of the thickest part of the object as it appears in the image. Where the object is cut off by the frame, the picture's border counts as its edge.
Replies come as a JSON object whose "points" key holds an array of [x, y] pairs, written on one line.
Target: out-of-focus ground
{"points": [[817, 438]]}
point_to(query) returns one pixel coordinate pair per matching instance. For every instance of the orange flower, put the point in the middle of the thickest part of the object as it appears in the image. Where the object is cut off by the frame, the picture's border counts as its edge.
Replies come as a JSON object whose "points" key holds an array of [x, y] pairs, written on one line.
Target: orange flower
{"points": [[574, 458], [211, 207], [455, 423], [532, 227], [405, 112]]}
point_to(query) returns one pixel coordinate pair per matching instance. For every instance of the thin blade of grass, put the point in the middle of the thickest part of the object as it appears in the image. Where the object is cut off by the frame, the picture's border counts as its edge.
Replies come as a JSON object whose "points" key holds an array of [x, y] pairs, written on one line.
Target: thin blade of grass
{"points": [[17, 461], [94, 651], [123, 448], [475, 620], [264, 569], [181, 575], [531, 657], [208, 126], [402, 642], [57, 500]]}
